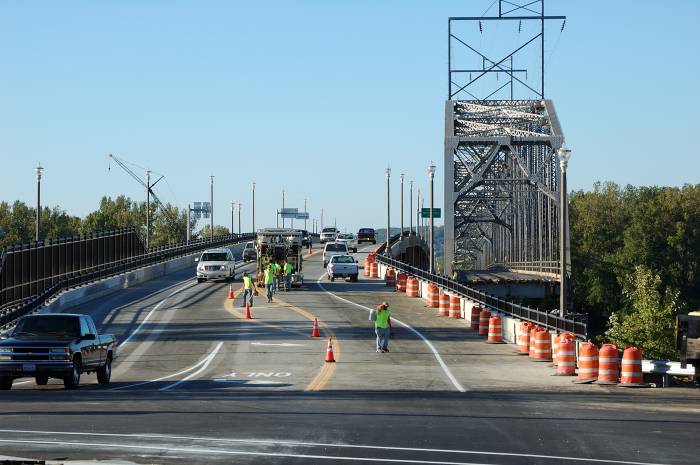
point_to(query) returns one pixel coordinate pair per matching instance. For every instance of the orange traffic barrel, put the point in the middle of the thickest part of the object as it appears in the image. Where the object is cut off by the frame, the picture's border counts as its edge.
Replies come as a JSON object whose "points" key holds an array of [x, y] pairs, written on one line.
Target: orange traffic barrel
{"points": [[566, 355], [474, 322], [444, 308], [374, 270], [608, 365], [368, 263], [555, 345], [484, 316], [401, 282], [543, 345], [495, 335], [524, 337], [433, 295], [455, 306], [531, 348], [587, 363], [390, 277], [631, 372], [412, 287]]}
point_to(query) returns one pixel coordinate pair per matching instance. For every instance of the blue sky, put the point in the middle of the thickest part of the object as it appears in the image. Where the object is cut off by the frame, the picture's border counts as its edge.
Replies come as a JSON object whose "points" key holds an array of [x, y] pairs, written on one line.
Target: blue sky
{"points": [[315, 97]]}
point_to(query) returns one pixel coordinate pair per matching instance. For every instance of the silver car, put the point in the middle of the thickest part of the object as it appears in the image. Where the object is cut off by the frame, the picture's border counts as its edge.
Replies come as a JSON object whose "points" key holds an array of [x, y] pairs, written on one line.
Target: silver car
{"points": [[215, 264]]}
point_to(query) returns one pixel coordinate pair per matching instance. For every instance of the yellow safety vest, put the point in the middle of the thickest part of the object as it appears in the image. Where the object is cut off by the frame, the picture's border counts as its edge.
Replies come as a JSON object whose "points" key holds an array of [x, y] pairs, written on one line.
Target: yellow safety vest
{"points": [[247, 282]]}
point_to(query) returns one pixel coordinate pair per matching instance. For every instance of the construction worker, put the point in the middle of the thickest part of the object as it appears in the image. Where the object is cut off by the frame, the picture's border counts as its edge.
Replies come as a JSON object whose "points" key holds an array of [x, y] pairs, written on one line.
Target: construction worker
{"points": [[248, 288], [381, 327], [276, 270], [270, 281], [288, 269]]}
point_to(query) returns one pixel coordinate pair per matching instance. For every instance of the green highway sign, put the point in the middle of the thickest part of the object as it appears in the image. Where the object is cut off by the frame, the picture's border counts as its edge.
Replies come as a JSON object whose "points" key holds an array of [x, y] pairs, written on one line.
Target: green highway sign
{"points": [[425, 213]]}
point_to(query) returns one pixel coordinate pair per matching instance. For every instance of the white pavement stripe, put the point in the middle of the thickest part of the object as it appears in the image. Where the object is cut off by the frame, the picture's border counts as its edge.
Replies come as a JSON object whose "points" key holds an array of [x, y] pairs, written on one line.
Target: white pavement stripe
{"points": [[430, 345], [309, 444], [204, 366], [148, 316], [186, 370]]}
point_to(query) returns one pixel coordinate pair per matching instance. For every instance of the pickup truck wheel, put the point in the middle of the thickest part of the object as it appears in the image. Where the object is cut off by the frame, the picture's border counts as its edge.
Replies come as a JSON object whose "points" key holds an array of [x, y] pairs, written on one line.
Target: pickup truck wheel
{"points": [[332, 278], [353, 278], [73, 380], [200, 280], [104, 373], [6, 384], [41, 380]]}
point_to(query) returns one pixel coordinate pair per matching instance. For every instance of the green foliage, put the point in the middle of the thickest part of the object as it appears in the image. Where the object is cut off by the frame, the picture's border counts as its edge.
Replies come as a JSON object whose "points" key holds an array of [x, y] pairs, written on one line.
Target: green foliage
{"points": [[121, 212], [19, 222], [218, 231], [649, 322]]}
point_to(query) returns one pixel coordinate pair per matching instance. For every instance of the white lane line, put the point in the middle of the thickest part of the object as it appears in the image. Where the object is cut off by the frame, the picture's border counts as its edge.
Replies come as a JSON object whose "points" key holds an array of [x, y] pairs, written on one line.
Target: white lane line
{"points": [[283, 344], [204, 364], [430, 345], [186, 370], [148, 316], [193, 450]]}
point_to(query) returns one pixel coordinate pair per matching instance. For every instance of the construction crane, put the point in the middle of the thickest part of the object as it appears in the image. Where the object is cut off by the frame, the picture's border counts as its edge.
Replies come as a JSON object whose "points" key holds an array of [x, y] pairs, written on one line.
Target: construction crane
{"points": [[149, 193]]}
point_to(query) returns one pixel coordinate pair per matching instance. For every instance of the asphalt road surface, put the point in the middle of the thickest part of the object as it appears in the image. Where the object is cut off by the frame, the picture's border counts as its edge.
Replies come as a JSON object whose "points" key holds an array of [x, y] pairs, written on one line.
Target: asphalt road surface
{"points": [[195, 382]]}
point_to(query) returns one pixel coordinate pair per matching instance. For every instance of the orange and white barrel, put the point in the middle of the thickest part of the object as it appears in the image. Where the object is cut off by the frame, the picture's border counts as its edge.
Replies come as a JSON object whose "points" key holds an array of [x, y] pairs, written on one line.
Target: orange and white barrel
{"points": [[484, 317], [495, 335], [401, 282], [587, 363], [374, 270], [608, 365], [390, 277], [543, 345], [533, 336], [433, 295], [631, 372], [566, 356], [455, 306], [474, 322], [524, 337], [368, 264], [412, 287], [444, 308]]}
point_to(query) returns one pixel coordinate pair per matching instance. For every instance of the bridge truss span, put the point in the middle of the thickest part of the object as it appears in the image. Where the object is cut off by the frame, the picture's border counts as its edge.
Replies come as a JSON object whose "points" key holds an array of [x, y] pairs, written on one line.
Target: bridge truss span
{"points": [[501, 184]]}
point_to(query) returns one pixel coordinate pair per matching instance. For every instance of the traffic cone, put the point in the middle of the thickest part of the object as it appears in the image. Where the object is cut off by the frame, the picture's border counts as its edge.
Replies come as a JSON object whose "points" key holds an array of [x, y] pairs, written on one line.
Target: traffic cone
{"points": [[230, 292], [314, 331], [329, 352], [248, 316]]}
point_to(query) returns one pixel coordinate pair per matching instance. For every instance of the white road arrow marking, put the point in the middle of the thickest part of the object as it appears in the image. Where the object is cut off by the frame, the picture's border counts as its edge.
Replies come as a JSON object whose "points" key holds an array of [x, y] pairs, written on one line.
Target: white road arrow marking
{"points": [[283, 344]]}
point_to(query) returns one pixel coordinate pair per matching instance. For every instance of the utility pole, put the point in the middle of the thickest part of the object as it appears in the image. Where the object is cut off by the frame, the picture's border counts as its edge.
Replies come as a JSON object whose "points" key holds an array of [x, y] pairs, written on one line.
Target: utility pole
{"points": [[431, 174], [239, 218], [401, 201], [282, 213], [388, 209], [39, 170], [189, 234], [564, 154], [305, 215], [253, 207], [418, 231], [211, 212], [232, 208], [148, 209], [321, 220], [410, 207]]}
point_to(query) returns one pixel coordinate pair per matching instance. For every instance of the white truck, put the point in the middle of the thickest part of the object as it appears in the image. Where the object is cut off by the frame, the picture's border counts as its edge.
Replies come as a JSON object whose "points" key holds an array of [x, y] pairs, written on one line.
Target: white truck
{"points": [[343, 266]]}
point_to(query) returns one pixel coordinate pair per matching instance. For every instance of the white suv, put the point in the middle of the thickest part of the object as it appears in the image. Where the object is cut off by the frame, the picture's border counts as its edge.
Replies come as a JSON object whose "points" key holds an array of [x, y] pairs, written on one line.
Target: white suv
{"points": [[332, 249], [215, 264], [349, 240], [328, 235]]}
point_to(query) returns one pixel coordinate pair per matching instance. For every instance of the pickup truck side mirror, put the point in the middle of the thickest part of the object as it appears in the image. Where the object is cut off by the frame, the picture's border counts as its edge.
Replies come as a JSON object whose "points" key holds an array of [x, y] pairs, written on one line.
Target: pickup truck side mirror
{"points": [[88, 337], [356, 261]]}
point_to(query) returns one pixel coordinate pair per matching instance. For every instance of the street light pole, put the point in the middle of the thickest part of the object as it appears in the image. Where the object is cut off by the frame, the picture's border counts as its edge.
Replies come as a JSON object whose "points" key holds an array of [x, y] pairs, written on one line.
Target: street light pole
{"points": [[418, 231], [233, 205], [388, 209], [239, 218], [321, 219], [282, 212], [305, 214], [39, 170], [410, 207], [188, 236], [431, 174], [401, 201], [564, 154], [253, 207], [211, 208]]}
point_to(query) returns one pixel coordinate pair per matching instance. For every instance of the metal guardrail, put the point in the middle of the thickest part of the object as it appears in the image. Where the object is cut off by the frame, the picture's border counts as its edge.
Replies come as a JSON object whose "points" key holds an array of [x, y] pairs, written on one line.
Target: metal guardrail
{"points": [[574, 325], [67, 280], [549, 267]]}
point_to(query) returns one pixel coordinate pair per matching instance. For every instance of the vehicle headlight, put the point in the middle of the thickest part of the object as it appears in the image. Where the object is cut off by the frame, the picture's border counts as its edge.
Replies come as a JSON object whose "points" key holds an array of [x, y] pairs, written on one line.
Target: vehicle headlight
{"points": [[59, 350], [222, 267], [60, 353]]}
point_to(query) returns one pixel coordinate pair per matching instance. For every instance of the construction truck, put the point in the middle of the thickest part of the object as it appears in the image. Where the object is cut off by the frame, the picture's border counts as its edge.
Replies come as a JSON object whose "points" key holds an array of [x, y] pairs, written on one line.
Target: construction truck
{"points": [[279, 245]]}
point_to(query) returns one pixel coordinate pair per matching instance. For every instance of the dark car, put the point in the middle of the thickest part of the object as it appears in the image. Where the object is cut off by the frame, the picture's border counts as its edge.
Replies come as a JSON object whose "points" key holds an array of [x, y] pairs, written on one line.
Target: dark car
{"points": [[366, 235], [60, 345]]}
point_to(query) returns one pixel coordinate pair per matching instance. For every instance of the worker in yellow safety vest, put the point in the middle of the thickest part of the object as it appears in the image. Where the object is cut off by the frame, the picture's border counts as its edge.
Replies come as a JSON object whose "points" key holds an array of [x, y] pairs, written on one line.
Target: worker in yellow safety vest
{"points": [[248, 288], [288, 269], [269, 281]]}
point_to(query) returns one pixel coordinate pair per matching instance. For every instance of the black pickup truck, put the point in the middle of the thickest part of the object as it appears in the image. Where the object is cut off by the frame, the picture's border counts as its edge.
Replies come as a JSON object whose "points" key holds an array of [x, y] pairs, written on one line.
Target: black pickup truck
{"points": [[60, 345]]}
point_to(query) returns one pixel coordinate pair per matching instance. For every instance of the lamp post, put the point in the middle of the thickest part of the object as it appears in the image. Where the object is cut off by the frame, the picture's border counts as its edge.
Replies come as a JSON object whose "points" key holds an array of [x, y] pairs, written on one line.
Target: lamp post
{"points": [[321, 230], [431, 175], [388, 209], [401, 201], [410, 207], [211, 208], [239, 218], [282, 208], [253, 207], [563, 154], [148, 209], [418, 231], [39, 170], [305, 212], [233, 206]]}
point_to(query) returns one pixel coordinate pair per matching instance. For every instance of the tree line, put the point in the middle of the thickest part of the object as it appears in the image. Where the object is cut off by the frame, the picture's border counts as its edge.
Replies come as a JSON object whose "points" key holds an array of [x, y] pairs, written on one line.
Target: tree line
{"points": [[18, 221]]}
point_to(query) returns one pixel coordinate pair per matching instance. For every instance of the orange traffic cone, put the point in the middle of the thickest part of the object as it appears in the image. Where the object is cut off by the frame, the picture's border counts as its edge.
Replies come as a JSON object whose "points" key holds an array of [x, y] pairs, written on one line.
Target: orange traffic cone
{"points": [[248, 316], [329, 352], [230, 292], [314, 331]]}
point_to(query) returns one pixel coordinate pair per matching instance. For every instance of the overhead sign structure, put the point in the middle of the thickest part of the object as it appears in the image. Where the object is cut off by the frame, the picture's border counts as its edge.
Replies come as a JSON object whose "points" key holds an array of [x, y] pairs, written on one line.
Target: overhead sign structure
{"points": [[289, 212], [302, 216], [201, 210], [425, 213]]}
